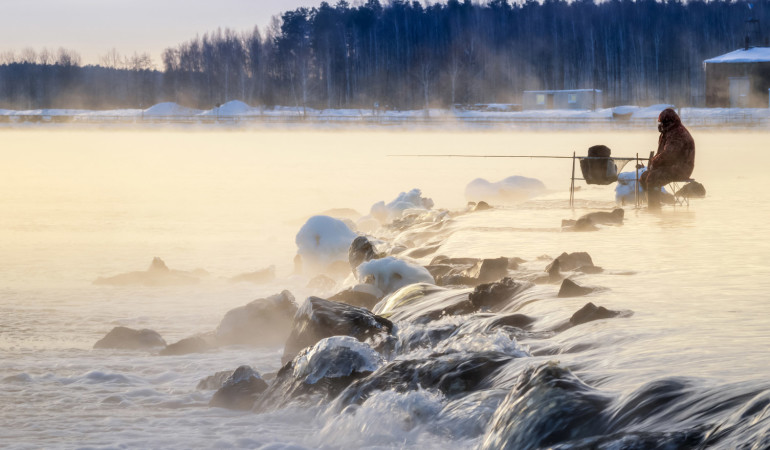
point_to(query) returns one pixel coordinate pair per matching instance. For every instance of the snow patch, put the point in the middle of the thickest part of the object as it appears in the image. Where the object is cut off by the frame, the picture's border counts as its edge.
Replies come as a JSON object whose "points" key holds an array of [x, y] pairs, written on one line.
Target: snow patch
{"points": [[170, 109], [510, 190]]}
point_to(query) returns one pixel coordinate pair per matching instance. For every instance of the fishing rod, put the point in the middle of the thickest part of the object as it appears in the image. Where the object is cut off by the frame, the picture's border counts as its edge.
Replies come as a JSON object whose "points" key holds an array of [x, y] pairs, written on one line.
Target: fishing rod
{"points": [[574, 157], [516, 156]]}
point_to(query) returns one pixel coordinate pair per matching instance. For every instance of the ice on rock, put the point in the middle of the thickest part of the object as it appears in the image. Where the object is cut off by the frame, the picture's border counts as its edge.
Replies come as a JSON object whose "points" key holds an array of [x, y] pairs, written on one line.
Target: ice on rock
{"points": [[386, 213], [391, 274], [508, 190], [322, 241], [335, 357]]}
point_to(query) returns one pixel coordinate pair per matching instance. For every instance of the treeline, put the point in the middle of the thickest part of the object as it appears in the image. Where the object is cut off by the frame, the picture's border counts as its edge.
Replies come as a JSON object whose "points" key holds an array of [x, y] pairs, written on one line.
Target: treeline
{"points": [[48, 79], [405, 55]]}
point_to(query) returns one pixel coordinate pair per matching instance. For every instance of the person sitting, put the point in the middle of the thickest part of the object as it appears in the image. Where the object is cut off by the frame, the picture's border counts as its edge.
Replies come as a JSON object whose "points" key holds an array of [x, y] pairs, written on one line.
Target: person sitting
{"points": [[674, 160]]}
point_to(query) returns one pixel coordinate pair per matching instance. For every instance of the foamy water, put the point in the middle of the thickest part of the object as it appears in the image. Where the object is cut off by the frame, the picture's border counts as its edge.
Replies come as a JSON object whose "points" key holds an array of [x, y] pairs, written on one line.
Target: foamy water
{"points": [[78, 205]]}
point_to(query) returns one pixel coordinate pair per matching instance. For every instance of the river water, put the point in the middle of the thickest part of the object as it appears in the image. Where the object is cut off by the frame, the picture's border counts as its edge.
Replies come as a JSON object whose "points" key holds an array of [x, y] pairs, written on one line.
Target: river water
{"points": [[77, 205]]}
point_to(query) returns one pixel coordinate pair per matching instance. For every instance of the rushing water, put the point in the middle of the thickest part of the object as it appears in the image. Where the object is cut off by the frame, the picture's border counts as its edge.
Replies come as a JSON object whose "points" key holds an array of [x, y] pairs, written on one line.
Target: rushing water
{"points": [[78, 205]]}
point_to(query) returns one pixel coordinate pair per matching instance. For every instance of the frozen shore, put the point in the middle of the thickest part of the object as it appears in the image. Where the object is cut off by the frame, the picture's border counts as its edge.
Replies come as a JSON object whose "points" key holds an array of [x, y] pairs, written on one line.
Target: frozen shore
{"points": [[236, 113]]}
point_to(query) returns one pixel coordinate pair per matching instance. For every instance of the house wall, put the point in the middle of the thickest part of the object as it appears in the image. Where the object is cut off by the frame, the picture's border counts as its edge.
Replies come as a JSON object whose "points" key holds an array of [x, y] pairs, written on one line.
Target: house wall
{"points": [[583, 99], [718, 83]]}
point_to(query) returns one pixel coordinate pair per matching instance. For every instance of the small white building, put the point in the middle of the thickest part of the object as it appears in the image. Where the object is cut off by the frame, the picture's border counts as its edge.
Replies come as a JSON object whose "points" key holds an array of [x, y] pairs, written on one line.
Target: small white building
{"points": [[590, 99]]}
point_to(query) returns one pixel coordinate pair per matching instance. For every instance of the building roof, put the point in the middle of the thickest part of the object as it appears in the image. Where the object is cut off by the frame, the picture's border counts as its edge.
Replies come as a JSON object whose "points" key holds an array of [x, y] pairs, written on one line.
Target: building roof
{"points": [[754, 54]]}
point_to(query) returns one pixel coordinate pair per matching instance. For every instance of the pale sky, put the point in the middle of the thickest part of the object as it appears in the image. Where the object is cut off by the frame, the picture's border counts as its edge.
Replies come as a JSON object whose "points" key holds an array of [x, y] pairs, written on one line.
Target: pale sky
{"points": [[93, 27]]}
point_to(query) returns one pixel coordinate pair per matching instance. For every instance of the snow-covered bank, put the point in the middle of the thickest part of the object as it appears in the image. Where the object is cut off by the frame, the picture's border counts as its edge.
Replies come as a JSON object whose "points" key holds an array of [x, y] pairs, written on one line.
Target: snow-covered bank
{"points": [[239, 113]]}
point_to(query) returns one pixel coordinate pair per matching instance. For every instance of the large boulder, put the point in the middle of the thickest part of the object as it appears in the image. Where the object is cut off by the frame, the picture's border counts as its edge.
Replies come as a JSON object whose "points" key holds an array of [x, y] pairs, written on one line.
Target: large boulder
{"points": [[317, 319], [240, 390], [320, 372], [131, 339], [263, 322], [390, 274], [454, 374], [548, 406]]}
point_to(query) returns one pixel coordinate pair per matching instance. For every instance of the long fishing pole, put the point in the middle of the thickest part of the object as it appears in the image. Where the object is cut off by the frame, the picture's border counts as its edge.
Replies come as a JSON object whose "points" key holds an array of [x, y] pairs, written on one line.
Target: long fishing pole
{"points": [[516, 156]]}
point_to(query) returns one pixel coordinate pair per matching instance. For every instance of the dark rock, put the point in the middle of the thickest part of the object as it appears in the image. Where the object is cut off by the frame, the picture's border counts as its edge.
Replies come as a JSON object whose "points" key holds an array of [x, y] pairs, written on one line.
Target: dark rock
{"points": [[554, 271], [259, 277], [454, 374], [363, 295], [489, 270], [214, 382], [493, 295], [691, 190], [439, 270], [591, 312], [571, 261], [158, 274], [481, 206], [588, 222], [240, 390], [589, 269], [194, 344], [130, 339], [319, 373], [512, 320], [321, 283], [513, 263], [571, 289], [456, 280], [548, 406], [361, 250], [263, 322], [584, 224], [441, 259], [317, 319]]}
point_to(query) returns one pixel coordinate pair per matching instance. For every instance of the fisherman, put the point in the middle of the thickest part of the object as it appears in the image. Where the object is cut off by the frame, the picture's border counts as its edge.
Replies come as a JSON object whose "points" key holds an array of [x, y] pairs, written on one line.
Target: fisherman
{"points": [[674, 160]]}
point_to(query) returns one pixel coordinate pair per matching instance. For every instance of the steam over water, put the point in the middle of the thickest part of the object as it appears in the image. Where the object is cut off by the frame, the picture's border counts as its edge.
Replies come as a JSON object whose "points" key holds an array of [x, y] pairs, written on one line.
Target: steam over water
{"points": [[76, 205]]}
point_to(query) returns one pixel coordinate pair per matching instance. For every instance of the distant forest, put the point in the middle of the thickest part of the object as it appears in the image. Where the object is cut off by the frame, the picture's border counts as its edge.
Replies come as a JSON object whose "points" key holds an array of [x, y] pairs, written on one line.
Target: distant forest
{"points": [[411, 55]]}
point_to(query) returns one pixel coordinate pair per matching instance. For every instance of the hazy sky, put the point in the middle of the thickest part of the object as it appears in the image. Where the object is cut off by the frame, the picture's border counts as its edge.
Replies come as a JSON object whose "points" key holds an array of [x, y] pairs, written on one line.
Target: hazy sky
{"points": [[93, 27]]}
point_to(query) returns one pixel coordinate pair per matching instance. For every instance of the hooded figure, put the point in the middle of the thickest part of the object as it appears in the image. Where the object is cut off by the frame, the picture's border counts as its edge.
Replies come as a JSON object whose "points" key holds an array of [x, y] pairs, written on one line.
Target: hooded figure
{"points": [[674, 160]]}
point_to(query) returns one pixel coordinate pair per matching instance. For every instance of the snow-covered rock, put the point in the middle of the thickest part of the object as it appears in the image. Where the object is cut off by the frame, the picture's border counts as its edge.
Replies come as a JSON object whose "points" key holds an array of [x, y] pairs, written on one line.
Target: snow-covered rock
{"points": [[323, 241], [512, 189], [323, 360], [412, 200], [391, 274]]}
